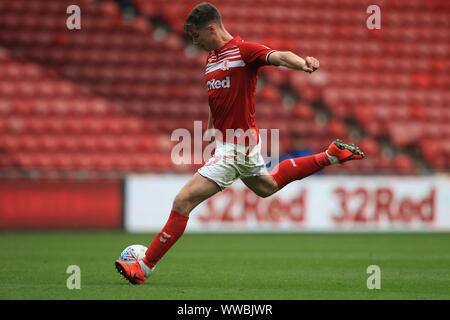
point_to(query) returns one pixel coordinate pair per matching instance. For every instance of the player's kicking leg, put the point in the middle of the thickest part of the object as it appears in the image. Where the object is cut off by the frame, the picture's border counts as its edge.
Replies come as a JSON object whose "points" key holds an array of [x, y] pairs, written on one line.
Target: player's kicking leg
{"points": [[196, 190], [299, 168]]}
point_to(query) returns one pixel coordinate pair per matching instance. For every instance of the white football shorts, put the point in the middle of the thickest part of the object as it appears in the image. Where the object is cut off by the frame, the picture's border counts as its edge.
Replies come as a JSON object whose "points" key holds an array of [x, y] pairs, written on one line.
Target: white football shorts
{"points": [[232, 161]]}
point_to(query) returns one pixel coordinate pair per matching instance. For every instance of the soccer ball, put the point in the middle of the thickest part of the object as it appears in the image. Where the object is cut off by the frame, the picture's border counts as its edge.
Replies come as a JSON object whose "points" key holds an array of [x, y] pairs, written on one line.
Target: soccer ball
{"points": [[133, 252]]}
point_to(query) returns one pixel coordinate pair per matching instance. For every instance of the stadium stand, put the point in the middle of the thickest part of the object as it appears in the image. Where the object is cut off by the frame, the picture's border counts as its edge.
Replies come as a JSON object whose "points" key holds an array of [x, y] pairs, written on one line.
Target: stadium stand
{"points": [[106, 98]]}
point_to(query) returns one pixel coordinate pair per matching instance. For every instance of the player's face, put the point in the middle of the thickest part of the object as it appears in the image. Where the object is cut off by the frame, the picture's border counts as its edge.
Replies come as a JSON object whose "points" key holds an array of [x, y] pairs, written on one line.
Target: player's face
{"points": [[202, 38]]}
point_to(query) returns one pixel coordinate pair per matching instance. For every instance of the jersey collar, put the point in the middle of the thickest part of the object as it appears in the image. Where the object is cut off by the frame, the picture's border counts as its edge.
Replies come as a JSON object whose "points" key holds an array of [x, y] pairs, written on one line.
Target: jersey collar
{"points": [[228, 44]]}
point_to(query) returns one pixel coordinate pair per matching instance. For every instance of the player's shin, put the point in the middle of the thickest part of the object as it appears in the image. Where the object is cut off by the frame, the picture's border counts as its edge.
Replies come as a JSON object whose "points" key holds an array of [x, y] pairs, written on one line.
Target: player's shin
{"points": [[298, 168], [164, 240]]}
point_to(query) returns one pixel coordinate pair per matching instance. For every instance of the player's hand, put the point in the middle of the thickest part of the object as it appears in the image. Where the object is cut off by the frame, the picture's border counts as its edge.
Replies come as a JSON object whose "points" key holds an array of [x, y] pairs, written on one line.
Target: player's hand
{"points": [[311, 64]]}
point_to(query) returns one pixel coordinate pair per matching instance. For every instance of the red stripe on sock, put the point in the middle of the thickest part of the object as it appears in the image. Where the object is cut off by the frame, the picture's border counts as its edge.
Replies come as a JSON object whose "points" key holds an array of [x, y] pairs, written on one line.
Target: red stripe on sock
{"points": [[166, 238], [298, 168]]}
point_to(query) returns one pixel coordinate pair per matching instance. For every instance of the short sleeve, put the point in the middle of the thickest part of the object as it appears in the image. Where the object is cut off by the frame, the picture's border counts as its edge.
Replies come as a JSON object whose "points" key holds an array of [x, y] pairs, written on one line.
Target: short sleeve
{"points": [[255, 53]]}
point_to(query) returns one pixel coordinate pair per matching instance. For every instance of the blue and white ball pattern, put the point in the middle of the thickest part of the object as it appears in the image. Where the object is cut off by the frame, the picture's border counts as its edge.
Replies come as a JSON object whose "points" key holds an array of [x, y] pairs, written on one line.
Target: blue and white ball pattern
{"points": [[132, 253]]}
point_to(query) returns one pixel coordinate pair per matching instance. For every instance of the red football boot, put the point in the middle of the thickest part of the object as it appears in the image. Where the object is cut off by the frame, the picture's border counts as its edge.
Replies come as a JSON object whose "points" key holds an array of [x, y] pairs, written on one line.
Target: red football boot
{"points": [[132, 272], [344, 152]]}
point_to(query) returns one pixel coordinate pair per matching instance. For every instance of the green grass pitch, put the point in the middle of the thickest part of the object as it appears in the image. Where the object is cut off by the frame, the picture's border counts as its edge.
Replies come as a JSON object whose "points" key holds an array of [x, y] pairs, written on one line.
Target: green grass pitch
{"points": [[229, 266]]}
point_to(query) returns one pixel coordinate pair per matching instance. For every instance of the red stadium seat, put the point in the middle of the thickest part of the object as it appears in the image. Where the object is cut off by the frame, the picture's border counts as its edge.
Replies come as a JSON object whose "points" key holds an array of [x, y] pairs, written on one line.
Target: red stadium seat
{"points": [[403, 164]]}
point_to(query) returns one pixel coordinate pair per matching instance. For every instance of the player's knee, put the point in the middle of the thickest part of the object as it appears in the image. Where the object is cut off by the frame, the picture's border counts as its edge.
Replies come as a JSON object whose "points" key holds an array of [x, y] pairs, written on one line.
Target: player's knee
{"points": [[264, 193], [270, 189], [264, 190]]}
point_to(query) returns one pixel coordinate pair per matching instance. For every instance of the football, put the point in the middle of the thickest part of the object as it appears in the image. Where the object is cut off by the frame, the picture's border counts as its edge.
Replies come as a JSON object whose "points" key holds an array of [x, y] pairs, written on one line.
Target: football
{"points": [[132, 253]]}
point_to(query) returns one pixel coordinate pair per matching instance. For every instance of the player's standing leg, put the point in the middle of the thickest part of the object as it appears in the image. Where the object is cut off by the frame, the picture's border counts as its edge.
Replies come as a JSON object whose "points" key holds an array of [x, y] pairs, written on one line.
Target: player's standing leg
{"points": [[196, 190]]}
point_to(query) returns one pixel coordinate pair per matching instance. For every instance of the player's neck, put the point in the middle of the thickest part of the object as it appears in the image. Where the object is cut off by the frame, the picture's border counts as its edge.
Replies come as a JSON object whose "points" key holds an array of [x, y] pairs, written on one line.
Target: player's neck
{"points": [[223, 37]]}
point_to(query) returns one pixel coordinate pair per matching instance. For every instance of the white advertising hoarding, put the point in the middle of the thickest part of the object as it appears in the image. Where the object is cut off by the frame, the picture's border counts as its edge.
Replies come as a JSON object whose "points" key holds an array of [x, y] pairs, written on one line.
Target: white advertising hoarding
{"points": [[317, 203]]}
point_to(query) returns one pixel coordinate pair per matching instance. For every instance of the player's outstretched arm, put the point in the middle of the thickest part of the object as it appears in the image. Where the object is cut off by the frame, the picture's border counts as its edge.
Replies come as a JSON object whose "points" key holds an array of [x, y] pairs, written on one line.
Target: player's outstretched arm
{"points": [[292, 61]]}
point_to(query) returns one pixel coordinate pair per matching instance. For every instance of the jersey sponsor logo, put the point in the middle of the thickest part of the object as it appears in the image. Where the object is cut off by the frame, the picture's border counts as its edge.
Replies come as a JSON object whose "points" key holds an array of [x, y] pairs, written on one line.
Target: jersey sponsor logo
{"points": [[217, 84]]}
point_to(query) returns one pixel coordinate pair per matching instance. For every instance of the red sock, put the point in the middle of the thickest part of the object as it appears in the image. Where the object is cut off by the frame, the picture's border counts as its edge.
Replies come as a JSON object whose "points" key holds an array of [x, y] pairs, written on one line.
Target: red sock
{"points": [[164, 240], [298, 168]]}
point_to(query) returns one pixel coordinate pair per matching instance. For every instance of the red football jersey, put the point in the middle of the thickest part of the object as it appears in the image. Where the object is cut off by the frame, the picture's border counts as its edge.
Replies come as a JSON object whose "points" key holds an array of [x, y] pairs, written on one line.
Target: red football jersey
{"points": [[231, 76]]}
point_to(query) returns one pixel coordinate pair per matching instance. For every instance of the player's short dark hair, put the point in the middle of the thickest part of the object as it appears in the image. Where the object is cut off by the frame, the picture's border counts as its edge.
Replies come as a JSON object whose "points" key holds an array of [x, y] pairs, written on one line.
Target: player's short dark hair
{"points": [[202, 15]]}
